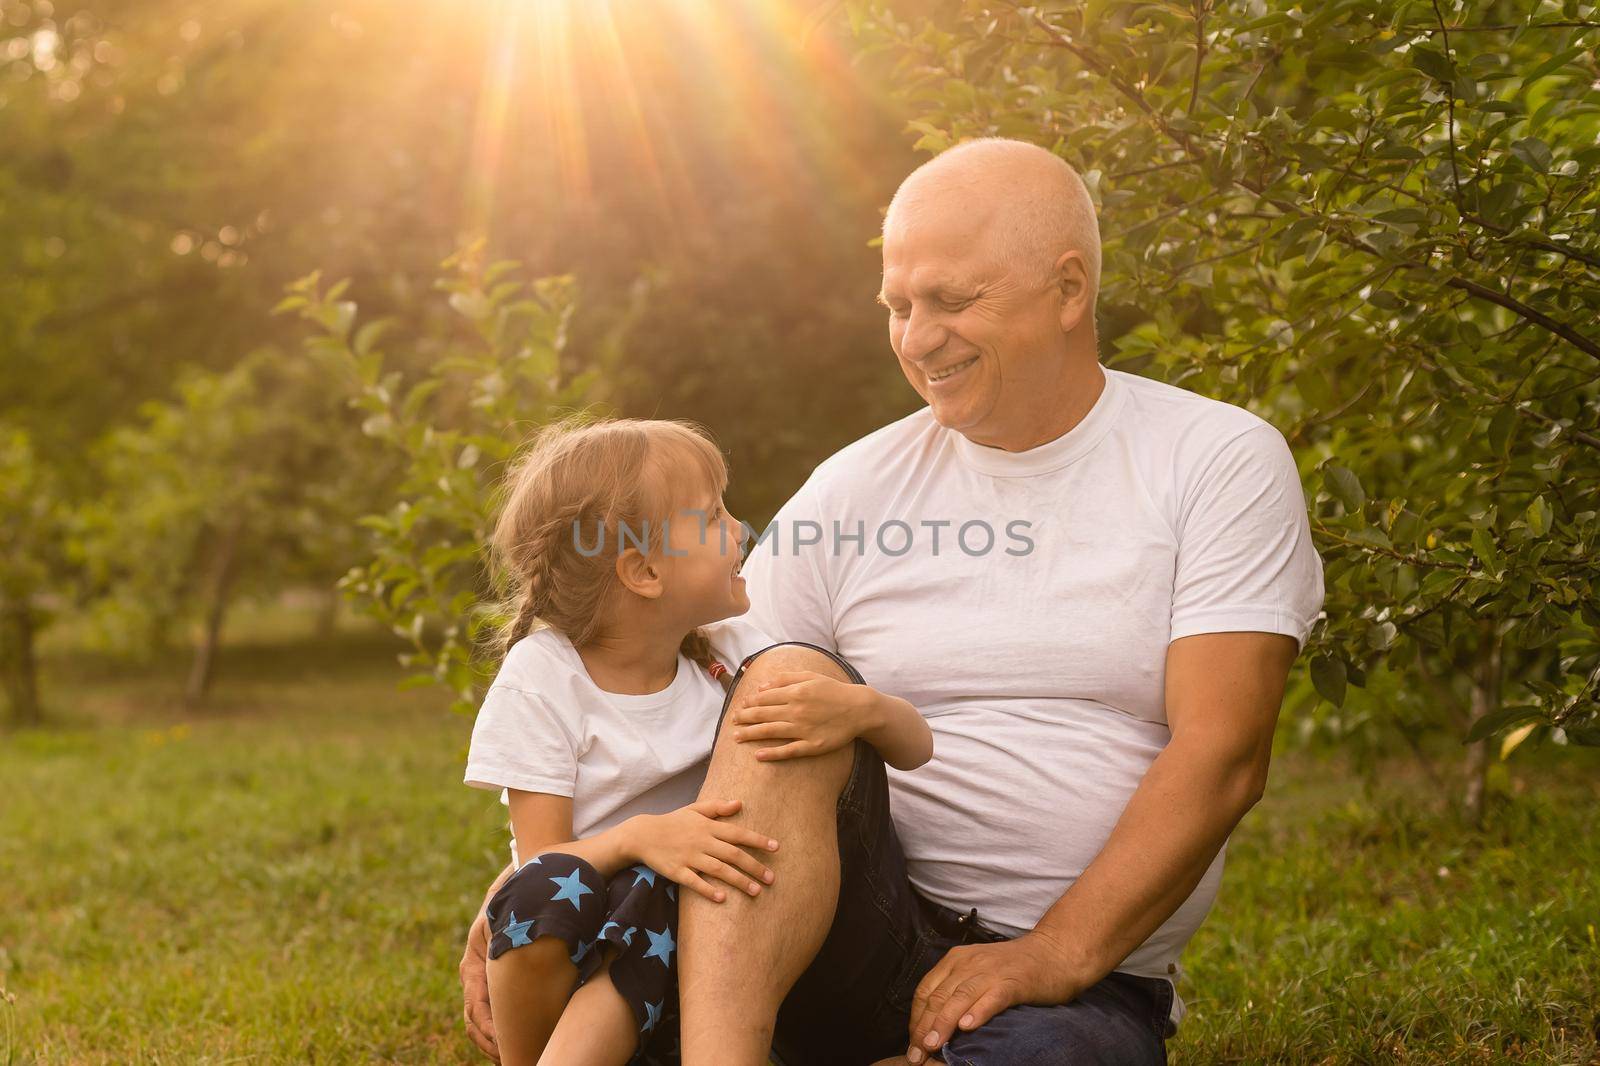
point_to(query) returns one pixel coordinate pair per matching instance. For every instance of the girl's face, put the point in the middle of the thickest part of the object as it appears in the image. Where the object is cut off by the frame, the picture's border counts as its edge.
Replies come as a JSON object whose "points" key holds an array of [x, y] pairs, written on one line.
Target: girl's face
{"points": [[706, 548]]}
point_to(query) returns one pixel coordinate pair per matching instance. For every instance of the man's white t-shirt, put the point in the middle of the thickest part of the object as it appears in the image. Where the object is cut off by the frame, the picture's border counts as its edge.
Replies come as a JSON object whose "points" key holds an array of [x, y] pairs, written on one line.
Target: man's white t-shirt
{"points": [[1036, 650], [545, 726]]}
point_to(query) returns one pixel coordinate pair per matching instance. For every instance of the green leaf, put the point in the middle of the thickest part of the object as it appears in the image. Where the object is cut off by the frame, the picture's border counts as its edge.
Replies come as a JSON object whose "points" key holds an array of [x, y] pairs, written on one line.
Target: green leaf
{"points": [[1329, 679], [1534, 152], [1483, 547], [369, 334], [1538, 516], [1554, 63], [1345, 487], [1501, 428], [1512, 740], [1433, 63], [1499, 719], [1372, 536]]}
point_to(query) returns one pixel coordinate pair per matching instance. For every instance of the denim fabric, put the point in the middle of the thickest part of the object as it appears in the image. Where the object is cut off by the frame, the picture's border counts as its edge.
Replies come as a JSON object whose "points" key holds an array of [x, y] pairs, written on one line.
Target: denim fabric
{"points": [[853, 1003]]}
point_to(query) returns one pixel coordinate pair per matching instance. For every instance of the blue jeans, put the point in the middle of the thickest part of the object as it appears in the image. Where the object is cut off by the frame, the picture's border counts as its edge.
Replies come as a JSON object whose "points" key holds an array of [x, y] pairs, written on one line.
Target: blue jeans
{"points": [[853, 1003]]}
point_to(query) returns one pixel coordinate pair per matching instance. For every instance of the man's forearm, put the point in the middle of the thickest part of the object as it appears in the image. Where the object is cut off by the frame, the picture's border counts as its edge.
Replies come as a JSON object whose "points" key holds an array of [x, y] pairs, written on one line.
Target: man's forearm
{"points": [[1168, 835]]}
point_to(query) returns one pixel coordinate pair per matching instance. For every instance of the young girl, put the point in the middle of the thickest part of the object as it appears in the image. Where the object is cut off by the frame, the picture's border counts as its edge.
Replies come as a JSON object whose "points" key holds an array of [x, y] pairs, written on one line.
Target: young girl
{"points": [[600, 725]]}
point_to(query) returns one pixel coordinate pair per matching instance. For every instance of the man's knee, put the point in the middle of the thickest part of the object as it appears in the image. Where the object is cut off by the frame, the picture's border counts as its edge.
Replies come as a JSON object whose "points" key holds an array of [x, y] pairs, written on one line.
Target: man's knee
{"points": [[731, 756], [780, 658], [1095, 1030]]}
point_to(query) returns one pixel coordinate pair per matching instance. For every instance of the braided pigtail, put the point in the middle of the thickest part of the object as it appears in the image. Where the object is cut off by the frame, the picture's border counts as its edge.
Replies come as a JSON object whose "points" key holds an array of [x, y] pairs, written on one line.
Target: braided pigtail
{"points": [[698, 649]]}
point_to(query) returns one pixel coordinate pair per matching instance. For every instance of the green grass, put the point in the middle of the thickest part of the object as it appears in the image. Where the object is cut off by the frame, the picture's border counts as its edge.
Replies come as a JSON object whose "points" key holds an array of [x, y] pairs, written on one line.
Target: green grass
{"points": [[286, 878]]}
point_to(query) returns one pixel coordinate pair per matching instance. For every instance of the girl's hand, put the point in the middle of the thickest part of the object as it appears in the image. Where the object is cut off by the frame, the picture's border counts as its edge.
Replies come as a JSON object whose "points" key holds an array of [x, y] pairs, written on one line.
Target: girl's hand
{"points": [[804, 713], [690, 841]]}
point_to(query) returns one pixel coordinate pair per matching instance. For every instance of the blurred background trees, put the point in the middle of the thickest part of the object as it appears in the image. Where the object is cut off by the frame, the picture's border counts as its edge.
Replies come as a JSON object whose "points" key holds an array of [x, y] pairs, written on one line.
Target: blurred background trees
{"points": [[1370, 221], [711, 178]]}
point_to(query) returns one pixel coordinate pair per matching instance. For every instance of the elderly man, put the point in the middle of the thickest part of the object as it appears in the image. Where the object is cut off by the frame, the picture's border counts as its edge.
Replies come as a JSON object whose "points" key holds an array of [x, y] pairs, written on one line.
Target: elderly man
{"points": [[1091, 585]]}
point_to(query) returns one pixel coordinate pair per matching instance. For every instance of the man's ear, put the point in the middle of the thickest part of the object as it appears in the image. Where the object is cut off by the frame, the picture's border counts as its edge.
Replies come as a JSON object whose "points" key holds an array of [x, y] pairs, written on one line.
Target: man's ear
{"points": [[1077, 294], [638, 574]]}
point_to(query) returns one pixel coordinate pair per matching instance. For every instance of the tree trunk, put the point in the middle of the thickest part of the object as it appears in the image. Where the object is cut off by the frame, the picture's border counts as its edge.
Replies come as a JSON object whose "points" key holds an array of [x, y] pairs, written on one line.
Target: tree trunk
{"points": [[19, 661], [223, 566], [328, 614], [1486, 678]]}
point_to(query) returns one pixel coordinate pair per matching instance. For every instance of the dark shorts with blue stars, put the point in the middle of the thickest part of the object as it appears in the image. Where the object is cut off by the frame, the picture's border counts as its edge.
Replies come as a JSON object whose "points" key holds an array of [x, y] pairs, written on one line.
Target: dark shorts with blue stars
{"points": [[635, 914]]}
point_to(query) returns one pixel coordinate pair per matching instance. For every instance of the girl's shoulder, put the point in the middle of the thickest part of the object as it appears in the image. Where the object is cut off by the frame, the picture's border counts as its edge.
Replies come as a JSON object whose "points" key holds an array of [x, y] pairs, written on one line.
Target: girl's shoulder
{"points": [[544, 661], [735, 639]]}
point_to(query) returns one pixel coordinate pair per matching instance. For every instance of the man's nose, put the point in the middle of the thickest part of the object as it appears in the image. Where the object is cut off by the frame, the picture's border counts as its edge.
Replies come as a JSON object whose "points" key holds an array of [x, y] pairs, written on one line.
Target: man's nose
{"points": [[922, 337]]}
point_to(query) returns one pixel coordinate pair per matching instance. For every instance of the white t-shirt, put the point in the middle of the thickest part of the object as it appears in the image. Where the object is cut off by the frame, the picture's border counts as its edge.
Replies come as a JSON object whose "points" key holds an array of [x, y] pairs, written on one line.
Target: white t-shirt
{"points": [[545, 726], [1039, 663]]}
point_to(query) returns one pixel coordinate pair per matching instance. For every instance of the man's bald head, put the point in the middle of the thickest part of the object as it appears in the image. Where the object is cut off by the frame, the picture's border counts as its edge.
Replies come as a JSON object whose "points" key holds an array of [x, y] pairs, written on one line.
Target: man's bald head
{"points": [[1039, 202]]}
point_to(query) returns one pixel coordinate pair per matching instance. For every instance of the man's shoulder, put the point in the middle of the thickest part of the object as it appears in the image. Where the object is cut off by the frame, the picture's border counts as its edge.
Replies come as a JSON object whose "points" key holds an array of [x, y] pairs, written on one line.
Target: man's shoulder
{"points": [[1175, 406], [1183, 425]]}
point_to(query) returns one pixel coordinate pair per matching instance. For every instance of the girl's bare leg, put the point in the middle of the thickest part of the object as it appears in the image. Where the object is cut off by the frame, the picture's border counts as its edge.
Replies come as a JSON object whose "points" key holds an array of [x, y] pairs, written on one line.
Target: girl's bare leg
{"points": [[528, 990], [597, 1028]]}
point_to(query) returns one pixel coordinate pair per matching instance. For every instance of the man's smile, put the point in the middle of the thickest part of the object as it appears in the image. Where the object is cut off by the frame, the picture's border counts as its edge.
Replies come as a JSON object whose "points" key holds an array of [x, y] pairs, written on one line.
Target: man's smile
{"points": [[951, 371]]}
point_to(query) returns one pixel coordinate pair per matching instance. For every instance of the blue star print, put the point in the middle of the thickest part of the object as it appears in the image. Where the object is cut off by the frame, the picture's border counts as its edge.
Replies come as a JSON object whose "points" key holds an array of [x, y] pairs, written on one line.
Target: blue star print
{"points": [[583, 949], [661, 945], [652, 1015], [603, 929], [645, 874], [672, 892], [572, 889], [627, 937], [517, 931]]}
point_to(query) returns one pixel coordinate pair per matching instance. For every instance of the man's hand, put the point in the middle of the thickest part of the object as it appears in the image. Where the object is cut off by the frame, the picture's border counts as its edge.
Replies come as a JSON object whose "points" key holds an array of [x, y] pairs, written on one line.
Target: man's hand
{"points": [[475, 976], [972, 984], [475, 988], [804, 713]]}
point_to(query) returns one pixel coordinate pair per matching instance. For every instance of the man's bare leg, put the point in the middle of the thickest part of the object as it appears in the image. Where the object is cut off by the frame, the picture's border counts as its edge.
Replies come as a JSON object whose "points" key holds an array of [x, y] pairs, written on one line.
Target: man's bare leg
{"points": [[739, 958]]}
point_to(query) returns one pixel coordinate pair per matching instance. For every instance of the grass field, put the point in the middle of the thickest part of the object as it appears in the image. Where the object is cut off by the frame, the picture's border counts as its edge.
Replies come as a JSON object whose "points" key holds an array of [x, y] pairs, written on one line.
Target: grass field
{"points": [[285, 878]]}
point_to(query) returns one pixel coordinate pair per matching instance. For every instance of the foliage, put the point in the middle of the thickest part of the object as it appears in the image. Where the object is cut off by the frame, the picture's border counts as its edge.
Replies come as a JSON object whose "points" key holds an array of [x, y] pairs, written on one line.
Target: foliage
{"points": [[39, 563], [168, 165], [1373, 222], [245, 479], [455, 426]]}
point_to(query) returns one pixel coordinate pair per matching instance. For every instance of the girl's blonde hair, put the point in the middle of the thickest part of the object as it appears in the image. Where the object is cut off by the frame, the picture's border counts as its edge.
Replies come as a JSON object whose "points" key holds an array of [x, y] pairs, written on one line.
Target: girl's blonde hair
{"points": [[579, 483]]}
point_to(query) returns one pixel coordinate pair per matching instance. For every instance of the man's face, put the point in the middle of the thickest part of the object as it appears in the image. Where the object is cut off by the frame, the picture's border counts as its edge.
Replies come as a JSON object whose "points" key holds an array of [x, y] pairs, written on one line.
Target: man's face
{"points": [[973, 337]]}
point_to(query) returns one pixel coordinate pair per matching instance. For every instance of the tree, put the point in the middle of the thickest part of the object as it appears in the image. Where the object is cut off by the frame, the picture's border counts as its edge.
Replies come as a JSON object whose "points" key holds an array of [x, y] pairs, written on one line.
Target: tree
{"points": [[244, 480], [1372, 222], [455, 426], [38, 558]]}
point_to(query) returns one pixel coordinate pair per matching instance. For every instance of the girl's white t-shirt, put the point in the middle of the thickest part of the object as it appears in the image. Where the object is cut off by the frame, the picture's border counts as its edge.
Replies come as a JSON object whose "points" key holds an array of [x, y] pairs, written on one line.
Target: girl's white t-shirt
{"points": [[545, 726]]}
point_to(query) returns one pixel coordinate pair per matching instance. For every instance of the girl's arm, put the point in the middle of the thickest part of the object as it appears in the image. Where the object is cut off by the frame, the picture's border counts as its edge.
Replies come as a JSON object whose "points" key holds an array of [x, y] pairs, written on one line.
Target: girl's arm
{"points": [[543, 822], [806, 713], [896, 729]]}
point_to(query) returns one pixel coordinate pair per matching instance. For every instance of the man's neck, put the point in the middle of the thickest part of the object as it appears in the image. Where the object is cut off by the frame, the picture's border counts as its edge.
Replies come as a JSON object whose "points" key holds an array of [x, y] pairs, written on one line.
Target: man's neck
{"points": [[1057, 411]]}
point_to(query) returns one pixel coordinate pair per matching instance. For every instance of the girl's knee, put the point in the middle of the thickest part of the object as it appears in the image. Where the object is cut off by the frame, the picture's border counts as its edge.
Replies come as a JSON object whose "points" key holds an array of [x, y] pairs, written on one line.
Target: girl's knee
{"points": [[545, 958]]}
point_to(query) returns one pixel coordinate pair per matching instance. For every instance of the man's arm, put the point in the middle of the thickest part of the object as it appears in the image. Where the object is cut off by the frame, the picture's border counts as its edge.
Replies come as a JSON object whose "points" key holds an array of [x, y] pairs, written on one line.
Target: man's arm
{"points": [[475, 976], [1223, 693]]}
